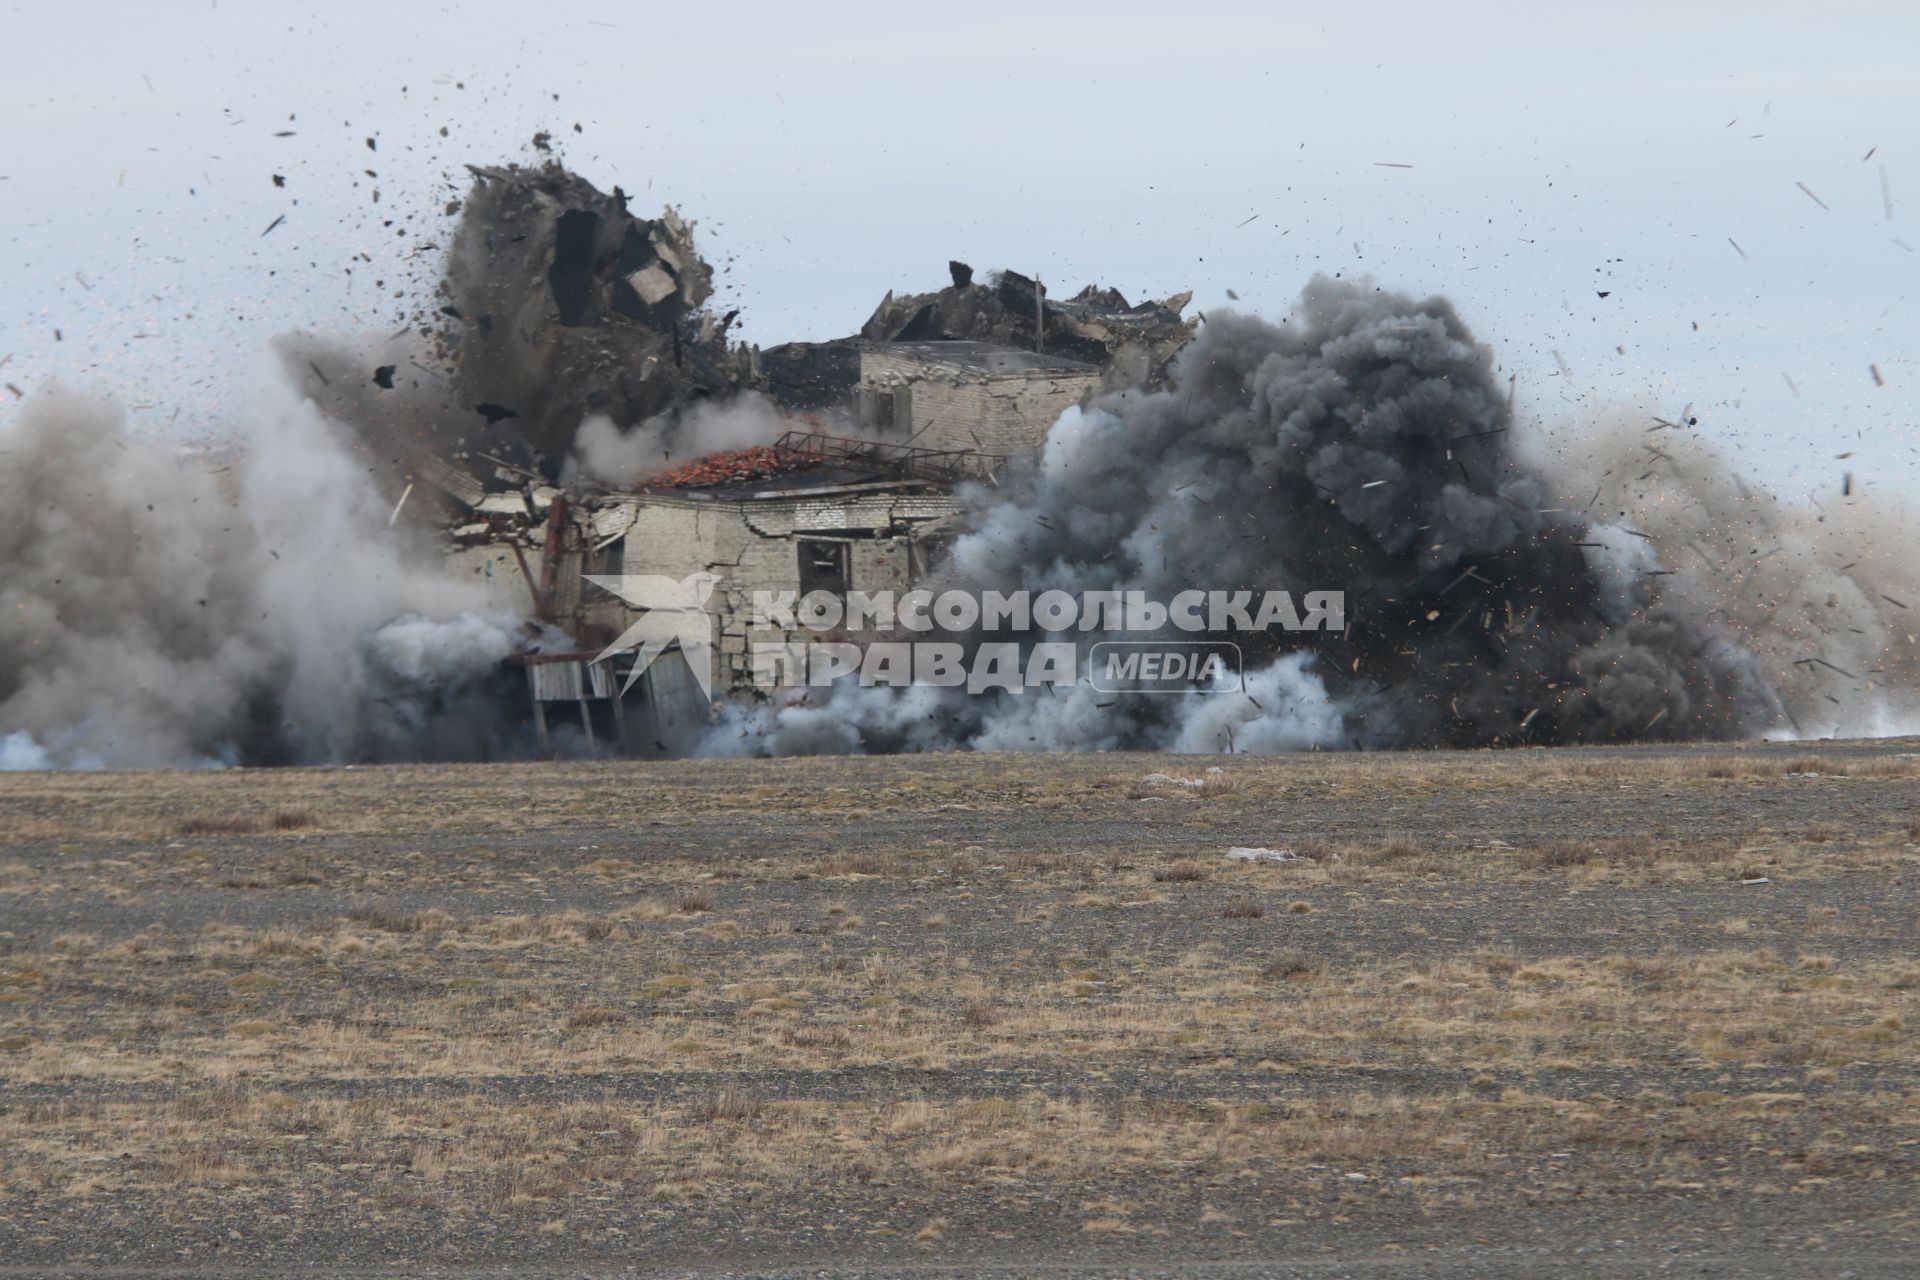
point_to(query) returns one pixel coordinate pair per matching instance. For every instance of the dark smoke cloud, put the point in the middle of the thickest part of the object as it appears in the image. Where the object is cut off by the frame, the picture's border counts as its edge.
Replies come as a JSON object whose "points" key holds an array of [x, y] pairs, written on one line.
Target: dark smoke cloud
{"points": [[1365, 445]]}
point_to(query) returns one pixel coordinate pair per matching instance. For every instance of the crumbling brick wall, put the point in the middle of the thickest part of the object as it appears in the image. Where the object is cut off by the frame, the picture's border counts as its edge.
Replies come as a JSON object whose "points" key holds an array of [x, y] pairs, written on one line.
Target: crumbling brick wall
{"points": [[1003, 413], [1008, 416]]}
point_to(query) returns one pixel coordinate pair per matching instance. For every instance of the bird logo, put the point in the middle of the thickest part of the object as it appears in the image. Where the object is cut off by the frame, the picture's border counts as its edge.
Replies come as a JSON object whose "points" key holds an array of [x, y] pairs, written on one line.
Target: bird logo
{"points": [[673, 612]]}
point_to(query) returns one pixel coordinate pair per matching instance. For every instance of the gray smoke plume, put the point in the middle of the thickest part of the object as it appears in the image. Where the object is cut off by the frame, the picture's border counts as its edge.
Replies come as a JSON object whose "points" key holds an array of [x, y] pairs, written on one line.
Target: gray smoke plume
{"points": [[1365, 446], [157, 611]]}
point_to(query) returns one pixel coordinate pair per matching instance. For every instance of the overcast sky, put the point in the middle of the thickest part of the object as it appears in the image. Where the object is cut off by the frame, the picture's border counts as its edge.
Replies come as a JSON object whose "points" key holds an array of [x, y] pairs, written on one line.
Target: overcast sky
{"points": [[1521, 159]]}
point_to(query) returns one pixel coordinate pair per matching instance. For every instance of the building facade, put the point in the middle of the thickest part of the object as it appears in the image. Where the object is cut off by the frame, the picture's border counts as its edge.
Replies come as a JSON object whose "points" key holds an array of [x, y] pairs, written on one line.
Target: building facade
{"points": [[996, 402]]}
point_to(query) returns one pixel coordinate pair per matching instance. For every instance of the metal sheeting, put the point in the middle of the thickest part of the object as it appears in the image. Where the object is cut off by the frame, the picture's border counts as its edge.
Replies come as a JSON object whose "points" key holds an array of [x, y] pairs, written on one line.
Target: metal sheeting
{"points": [[570, 681]]}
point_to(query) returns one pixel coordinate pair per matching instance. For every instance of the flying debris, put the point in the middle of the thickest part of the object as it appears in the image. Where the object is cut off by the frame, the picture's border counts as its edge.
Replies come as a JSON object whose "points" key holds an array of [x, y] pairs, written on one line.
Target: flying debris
{"points": [[546, 273]]}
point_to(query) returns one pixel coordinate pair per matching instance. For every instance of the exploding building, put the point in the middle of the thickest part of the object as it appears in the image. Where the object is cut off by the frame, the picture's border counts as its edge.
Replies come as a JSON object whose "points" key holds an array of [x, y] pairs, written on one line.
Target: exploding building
{"points": [[597, 439], [810, 512], [567, 416]]}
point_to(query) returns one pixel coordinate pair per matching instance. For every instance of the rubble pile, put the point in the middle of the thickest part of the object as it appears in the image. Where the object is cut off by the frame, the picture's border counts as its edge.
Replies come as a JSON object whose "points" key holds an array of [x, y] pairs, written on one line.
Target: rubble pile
{"points": [[504, 502], [1135, 343]]}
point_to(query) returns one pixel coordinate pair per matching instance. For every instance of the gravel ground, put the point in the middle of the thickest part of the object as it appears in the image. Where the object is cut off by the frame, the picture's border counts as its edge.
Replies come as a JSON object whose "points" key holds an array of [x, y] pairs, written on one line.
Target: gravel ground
{"points": [[786, 989]]}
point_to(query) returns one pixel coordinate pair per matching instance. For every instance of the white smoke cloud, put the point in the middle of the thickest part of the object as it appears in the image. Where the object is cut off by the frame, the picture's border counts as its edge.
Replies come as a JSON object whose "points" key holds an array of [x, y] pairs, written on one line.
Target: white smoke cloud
{"points": [[1284, 707], [1621, 563], [603, 452], [1063, 718], [19, 753], [845, 720]]}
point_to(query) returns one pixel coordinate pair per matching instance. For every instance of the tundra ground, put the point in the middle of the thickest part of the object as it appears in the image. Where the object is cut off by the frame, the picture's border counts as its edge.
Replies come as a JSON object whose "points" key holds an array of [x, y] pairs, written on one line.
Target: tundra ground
{"points": [[1503, 1014]]}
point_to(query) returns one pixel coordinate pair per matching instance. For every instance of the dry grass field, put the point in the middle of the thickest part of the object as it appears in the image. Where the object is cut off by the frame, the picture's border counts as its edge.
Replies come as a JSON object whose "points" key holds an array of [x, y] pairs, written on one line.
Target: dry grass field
{"points": [[1500, 1013]]}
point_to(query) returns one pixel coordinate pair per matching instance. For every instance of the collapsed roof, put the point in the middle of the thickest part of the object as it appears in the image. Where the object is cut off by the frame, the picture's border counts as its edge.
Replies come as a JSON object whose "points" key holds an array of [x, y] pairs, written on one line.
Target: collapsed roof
{"points": [[1134, 342]]}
